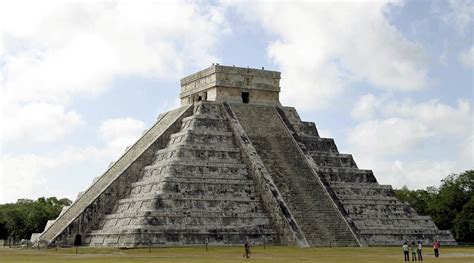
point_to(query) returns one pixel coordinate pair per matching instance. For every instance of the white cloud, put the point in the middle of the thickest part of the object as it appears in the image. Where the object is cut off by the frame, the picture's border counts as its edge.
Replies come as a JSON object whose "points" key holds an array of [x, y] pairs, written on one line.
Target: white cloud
{"points": [[391, 126], [54, 51], [389, 129], [365, 107], [121, 132], [467, 150], [388, 136], [321, 47], [32, 175], [461, 14], [467, 57], [415, 174], [38, 122], [436, 116]]}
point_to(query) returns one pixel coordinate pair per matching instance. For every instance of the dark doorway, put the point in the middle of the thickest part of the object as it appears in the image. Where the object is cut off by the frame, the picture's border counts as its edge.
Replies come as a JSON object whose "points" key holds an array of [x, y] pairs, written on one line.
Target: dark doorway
{"points": [[245, 97], [78, 240]]}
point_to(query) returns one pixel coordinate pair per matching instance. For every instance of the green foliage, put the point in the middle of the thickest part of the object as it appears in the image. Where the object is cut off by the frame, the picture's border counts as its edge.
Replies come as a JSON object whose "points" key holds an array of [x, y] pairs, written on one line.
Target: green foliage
{"points": [[26, 216], [418, 199], [464, 222], [451, 205], [454, 192]]}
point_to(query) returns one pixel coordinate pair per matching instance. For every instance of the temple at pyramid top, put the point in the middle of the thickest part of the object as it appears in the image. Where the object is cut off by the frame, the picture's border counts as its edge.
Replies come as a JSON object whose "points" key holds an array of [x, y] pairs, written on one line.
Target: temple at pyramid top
{"points": [[231, 84]]}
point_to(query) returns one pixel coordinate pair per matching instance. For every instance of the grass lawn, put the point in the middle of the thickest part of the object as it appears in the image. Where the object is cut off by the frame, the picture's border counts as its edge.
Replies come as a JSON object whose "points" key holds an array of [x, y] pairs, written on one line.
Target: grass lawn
{"points": [[231, 254]]}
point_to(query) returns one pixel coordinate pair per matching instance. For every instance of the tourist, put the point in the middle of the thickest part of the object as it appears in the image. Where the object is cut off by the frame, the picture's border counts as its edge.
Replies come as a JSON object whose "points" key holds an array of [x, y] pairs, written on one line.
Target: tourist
{"points": [[413, 251], [436, 245], [418, 250], [405, 251], [247, 249]]}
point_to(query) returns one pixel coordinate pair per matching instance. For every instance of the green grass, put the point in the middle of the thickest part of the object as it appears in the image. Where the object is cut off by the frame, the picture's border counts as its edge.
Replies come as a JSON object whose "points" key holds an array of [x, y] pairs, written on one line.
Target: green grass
{"points": [[230, 254]]}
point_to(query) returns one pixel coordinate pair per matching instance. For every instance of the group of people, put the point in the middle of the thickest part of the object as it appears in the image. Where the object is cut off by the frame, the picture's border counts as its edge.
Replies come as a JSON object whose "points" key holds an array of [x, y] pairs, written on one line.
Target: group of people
{"points": [[416, 250], [408, 248]]}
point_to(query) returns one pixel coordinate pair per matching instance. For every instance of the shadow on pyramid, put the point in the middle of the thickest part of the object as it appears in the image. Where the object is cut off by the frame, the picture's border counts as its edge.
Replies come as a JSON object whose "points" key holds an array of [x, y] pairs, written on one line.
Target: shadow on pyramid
{"points": [[233, 165]]}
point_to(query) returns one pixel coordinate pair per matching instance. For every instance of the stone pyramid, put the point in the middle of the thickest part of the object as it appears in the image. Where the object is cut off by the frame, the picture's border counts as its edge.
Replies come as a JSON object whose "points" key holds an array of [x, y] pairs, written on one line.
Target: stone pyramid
{"points": [[232, 164]]}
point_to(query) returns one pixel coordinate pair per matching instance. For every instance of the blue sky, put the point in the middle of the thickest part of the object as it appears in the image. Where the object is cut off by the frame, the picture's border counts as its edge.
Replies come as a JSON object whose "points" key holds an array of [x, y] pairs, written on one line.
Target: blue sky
{"points": [[391, 81]]}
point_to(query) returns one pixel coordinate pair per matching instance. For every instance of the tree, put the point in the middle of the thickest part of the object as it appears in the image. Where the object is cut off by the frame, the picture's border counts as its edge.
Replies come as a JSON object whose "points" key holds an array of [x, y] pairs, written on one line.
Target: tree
{"points": [[451, 205], [464, 222], [418, 199], [26, 216], [454, 192]]}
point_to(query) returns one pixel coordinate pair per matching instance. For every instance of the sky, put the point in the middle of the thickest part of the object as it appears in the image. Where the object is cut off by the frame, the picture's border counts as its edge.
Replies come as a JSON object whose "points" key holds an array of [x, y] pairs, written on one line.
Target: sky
{"points": [[390, 81]]}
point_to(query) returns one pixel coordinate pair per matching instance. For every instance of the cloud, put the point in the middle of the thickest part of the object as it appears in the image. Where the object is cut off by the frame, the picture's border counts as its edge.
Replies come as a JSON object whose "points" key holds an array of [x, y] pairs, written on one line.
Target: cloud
{"points": [[389, 126], [365, 107], [459, 14], [388, 136], [34, 175], [38, 122], [54, 51], [467, 57], [436, 116], [396, 138], [322, 47], [31, 175], [415, 174], [121, 132]]}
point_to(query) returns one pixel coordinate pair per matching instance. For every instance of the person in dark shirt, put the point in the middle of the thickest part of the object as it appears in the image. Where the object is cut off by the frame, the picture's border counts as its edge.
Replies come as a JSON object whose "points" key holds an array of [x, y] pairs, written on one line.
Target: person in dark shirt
{"points": [[406, 252], [247, 249]]}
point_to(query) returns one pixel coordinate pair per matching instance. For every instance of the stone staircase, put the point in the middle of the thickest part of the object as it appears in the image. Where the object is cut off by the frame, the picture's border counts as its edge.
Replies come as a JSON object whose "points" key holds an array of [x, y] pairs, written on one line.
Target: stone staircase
{"points": [[197, 190], [90, 206], [372, 209], [310, 204]]}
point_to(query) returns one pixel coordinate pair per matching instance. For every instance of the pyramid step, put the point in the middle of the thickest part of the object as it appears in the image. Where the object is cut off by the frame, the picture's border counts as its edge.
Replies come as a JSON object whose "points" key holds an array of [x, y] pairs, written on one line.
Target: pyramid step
{"points": [[216, 124], [178, 197], [242, 210], [230, 180], [179, 215], [368, 185], [327, 159], [207, 231], [213, 117], [198, 147], [388, 216], [202, 132], [193, 163], [167, 204]]}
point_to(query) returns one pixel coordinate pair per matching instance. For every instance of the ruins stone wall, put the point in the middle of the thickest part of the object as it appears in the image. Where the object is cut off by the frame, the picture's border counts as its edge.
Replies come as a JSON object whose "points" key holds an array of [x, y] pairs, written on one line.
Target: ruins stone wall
{"points": [[372, 210], [224, 169], [307, 199], [196, 190], [87, 210], [223, 83], [284, 221]]}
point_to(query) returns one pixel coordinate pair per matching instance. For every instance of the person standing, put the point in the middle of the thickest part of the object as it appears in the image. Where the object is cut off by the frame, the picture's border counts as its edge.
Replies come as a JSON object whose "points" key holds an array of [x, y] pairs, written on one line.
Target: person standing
{"points": [[436, 247], [413, 251], [405, 251], [418, 250], [247, 249]]}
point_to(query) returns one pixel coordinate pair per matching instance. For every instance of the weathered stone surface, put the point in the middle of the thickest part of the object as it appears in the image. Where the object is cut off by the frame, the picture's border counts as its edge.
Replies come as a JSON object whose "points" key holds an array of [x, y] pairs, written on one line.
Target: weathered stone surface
{"points": [[234, 165], [87, 210], [374, 213], [313, 208]]}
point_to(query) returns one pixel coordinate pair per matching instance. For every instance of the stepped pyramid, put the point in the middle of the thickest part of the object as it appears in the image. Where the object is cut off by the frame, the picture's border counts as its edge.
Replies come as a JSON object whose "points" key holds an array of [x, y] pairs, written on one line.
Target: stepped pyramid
{"points": [[232, 164]]}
